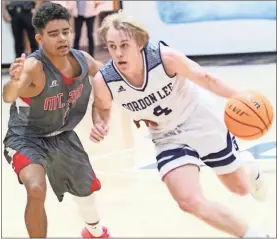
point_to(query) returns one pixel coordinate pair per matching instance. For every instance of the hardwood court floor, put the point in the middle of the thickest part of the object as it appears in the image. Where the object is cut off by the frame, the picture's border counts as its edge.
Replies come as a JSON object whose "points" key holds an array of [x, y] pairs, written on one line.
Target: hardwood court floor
{"points": [[133, 202]]}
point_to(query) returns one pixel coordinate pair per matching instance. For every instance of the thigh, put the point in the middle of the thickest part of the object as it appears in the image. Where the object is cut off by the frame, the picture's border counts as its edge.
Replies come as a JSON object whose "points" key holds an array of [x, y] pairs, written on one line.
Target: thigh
{"points": [[78, 23], [239, 180], [235, 179], [21, 151], [27, 18], [183, 183], [17, 25], [17, 29], [179, 166], [72, 172], [89, 23], [171, 155], [27, 21]]}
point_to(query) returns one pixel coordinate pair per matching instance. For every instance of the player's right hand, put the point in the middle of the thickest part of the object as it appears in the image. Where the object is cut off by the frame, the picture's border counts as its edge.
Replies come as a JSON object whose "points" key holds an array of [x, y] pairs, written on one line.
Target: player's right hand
{"points": [[98, 132], [17, 67]]}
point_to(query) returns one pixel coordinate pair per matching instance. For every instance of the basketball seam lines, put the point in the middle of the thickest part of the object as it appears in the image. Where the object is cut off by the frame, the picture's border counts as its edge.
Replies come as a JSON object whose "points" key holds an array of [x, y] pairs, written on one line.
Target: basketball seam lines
{"points": [[266, 111], [254, 112], [244, 123]]}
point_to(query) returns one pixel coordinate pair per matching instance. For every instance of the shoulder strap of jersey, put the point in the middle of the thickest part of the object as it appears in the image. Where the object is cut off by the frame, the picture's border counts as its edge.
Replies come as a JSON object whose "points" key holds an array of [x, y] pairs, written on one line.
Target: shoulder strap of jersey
{"points": [[81, 59], [164, 44], [152, 56], [109, 73], [36, 54]]}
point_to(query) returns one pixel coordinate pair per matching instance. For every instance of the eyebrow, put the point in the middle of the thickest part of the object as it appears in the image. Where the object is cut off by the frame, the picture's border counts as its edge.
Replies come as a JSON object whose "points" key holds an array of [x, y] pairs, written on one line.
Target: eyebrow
{"points": [[56, 30], [120, 41]]}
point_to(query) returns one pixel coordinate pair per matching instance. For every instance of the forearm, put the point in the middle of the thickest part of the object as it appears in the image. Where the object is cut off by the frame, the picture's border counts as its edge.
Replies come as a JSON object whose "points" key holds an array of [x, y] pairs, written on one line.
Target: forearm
{"points": [[218, 87], [100, 115]]}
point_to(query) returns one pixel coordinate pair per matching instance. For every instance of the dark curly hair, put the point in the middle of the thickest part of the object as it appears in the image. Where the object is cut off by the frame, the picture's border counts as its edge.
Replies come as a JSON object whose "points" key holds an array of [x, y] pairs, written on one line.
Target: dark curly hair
{"points": [[48, 12]]}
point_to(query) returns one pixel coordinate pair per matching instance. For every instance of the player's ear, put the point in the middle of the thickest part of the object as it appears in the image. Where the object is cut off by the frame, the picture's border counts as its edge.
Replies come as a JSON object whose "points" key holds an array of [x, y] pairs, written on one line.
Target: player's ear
{"points": [[141, 46], [38, 38]]}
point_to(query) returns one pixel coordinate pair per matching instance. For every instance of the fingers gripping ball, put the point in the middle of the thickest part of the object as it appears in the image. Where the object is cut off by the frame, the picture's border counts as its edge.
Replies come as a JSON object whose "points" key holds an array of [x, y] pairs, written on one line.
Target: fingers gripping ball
{"points": [[249, 115]]}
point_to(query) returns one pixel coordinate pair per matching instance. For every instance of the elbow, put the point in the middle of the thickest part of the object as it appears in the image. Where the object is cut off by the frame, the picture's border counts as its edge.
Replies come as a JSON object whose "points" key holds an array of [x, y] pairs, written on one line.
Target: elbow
{"points": [[204, 80]]}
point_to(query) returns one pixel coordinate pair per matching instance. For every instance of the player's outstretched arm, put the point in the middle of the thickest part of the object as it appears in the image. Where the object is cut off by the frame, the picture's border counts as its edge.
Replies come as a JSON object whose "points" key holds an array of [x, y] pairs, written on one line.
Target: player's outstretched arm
{"points": [[26, 79], [177, 63], [101, 109]]}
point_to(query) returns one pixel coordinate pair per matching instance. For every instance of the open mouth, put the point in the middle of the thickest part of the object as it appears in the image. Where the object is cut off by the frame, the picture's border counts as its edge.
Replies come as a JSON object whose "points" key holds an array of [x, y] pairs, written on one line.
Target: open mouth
{"points": [[121, 63], [62, 47]]}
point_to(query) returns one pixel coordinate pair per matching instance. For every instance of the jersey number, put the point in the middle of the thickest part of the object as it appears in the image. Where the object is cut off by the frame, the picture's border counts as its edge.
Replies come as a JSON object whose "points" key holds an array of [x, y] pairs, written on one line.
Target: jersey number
{"points": [[158, 111]]}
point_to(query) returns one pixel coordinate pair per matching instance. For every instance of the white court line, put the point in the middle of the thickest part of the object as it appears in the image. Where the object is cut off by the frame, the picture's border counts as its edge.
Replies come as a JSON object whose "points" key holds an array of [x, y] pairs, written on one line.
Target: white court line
{"points": [[101, 156]]}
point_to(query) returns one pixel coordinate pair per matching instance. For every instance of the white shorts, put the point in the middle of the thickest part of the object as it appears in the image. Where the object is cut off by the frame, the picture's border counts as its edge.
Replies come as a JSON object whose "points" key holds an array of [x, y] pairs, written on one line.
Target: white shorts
{"points": [[202, 140]]}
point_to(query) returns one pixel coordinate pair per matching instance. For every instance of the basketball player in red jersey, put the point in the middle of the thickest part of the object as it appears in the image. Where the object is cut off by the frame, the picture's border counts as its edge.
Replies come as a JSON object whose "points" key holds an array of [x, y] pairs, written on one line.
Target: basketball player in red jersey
{"points": [[49, 93]]}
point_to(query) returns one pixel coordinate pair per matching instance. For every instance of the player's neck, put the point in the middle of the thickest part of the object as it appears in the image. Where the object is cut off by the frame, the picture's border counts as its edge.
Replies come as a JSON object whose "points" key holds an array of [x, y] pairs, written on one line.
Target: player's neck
{"points": [[60, 62], [136, 76]]}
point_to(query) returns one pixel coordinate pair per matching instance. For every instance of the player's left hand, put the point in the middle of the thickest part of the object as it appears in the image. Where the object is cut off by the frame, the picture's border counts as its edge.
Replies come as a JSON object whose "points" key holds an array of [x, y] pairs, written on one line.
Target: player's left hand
{"points": [[98, 132]]}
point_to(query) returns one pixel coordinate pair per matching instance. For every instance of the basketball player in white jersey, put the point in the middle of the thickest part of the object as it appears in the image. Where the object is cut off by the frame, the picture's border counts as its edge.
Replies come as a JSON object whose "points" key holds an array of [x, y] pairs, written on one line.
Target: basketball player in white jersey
{"points": [[158, 85]]}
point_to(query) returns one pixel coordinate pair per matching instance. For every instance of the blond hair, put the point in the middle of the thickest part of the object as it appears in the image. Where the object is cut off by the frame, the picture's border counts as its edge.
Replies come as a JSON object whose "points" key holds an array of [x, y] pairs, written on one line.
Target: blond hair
{"points": [[121, 21]]}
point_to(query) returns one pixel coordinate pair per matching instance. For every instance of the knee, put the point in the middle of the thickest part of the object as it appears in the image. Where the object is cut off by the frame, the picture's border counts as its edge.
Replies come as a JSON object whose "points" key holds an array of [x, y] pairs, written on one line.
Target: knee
{"points": [[196, 205], [190, 204], [236, 182], [33, 178], [36, 191]]}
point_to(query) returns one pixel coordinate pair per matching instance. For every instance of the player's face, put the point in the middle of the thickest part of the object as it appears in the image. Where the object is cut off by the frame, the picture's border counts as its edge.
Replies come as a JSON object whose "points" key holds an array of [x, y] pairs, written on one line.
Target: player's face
{"points": [[123, 49], [56, 37]]}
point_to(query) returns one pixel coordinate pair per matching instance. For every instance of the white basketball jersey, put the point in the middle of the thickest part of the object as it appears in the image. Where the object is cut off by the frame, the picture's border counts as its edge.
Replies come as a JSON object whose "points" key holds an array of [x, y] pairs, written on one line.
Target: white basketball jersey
{"points": [[165, 100]]}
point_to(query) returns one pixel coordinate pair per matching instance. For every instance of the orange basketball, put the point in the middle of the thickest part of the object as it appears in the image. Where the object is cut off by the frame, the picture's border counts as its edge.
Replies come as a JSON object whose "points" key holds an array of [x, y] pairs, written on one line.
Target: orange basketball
{"points": [[248, 115]]}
